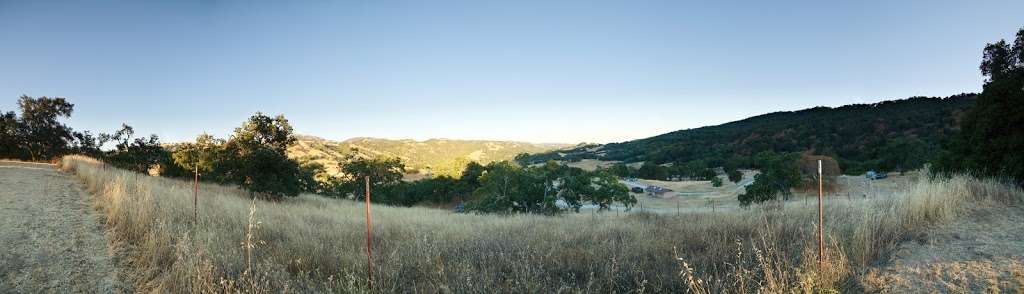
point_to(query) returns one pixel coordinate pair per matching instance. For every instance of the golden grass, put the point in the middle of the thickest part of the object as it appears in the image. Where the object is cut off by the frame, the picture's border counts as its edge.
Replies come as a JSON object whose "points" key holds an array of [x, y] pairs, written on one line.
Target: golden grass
{"points": [[310, 243]]}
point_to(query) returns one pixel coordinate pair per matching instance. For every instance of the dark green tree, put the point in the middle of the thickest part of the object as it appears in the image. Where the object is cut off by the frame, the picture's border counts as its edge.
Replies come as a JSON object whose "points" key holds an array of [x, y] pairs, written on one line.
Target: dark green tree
{"points": [[522, 159], [257, 160], [9, 141], [263, 132], [605, 189], [313, 178], [39, 130], [779, 173], [622, 170], [470, 179], [651, 171], [735, 175], [268, 174], [207, 155], [904, 153], [991, 136], [87, 144], [760, 191], [439, 190], [383, 172], [508, 188]]}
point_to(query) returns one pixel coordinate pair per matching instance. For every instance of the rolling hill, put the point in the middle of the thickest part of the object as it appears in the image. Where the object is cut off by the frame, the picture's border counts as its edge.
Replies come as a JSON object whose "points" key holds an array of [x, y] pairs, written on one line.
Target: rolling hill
{"points": [[436, 156], [889, 135]]}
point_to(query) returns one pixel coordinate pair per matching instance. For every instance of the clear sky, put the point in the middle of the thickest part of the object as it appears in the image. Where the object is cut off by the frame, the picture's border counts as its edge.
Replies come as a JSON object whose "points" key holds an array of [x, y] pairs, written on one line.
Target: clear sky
{"points": [[541, 71]]}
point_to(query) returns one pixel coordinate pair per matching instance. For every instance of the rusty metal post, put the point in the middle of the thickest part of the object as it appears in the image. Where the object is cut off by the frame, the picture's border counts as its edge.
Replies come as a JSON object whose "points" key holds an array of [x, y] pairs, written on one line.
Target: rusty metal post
{"points": [[821, 219], [195, 198], [369, 238]]}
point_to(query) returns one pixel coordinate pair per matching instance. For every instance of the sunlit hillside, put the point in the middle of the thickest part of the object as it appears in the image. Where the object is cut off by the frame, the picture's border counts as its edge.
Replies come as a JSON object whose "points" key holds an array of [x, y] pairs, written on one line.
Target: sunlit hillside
{"points": [[435, 156]]}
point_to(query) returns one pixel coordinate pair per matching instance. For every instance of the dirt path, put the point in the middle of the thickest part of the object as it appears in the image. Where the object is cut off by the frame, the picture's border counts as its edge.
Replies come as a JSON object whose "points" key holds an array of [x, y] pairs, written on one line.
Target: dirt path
{"points": [[50, 238], [982, 252]]}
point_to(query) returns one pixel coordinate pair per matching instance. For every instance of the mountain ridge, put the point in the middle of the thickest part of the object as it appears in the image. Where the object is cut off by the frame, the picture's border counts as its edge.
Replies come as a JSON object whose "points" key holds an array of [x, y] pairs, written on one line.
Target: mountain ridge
{"points": [[860, 136], [437, 156]]}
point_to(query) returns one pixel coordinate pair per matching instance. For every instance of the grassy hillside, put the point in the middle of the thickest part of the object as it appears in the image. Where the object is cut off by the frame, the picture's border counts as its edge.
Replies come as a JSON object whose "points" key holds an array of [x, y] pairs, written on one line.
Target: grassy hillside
{"points": [[315, 244], [438, 156], [889, 135]]}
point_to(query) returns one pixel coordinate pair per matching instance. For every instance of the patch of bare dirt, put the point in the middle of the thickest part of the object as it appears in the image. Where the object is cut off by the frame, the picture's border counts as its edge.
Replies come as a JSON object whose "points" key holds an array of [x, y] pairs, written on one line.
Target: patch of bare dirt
{"points": [[982, 252], [51, 240]]}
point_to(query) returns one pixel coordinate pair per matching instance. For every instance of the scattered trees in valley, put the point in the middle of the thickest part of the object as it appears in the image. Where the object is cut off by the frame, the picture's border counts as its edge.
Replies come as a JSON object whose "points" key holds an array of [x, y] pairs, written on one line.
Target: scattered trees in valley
{"points": [[506, 187], [498, 187], [696, 170]]}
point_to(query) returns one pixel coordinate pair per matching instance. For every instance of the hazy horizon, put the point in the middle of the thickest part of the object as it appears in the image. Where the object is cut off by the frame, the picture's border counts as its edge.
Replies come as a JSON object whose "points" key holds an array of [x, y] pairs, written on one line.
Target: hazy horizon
{"points": [[538, 72]]}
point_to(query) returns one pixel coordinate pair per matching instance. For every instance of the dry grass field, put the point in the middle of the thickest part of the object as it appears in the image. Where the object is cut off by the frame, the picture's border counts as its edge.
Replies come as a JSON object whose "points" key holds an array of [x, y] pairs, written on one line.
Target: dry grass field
{"points": [[694, 195], [590, 164], [315, 244]]}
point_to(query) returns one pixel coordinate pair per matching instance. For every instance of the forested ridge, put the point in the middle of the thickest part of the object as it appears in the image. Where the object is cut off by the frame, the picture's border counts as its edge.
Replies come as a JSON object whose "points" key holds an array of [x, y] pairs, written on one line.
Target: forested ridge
{"points": [[889, 135]]}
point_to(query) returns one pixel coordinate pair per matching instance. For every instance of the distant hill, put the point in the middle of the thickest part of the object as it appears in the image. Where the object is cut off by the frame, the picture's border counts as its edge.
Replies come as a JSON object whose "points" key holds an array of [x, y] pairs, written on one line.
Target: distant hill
{"points": [[899, 134], [436, 156]]}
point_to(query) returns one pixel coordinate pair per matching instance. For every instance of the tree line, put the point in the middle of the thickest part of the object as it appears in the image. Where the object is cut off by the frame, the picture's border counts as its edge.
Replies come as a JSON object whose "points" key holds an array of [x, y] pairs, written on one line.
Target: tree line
{"points": [[254, 158], [498, 187], [893, 135]]}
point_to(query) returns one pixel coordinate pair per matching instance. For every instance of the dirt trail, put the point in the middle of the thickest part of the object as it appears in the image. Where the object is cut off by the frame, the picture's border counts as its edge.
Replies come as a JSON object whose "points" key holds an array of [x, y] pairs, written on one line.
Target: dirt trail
{"points": [[50, 238], [982, 252]]}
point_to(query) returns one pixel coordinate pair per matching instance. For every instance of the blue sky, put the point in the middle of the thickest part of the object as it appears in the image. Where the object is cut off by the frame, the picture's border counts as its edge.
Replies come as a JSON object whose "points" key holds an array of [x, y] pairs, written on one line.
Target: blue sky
{"points": [[541, 71]]}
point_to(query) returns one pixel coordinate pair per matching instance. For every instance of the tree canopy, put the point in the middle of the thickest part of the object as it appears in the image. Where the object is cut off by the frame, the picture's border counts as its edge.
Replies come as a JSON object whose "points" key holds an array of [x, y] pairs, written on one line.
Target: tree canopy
{"points": [[38, 132], [506, 187], [383, 172], [779, 174], [991, 138], [860, 137]]}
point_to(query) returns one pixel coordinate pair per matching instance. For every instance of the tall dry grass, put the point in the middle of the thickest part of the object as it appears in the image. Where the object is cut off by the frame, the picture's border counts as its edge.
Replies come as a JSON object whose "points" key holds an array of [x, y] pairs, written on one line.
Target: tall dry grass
{"points": [[314, 244]]}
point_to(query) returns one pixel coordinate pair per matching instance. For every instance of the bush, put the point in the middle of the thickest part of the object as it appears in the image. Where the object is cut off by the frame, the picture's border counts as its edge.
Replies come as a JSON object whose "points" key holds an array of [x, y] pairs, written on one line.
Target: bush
{"points": [[778, 175], [734, 175], [254, 159], [508, 188]]}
